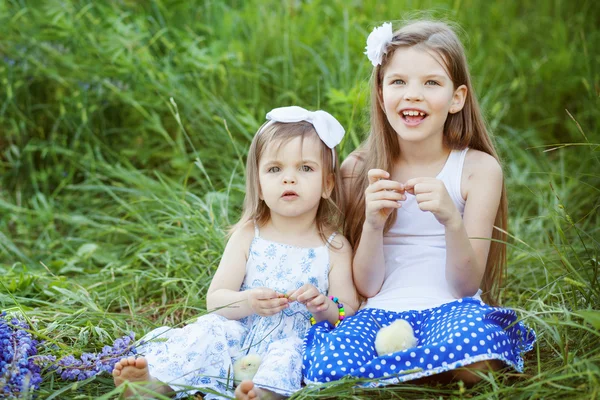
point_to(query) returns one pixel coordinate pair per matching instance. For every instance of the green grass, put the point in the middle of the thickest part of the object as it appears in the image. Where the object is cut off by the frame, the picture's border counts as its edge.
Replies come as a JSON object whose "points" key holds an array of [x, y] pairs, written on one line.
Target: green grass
{"points": [[124, 126]]}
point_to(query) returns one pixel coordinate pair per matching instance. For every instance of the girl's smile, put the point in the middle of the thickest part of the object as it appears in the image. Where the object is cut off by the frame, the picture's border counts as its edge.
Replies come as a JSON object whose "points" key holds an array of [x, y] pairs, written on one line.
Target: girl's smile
{"points": [[413, 116]]}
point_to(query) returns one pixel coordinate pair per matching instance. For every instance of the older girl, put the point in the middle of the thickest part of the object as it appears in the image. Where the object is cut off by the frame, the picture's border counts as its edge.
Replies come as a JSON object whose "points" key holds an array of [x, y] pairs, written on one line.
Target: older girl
{"points": [[428, 223]]}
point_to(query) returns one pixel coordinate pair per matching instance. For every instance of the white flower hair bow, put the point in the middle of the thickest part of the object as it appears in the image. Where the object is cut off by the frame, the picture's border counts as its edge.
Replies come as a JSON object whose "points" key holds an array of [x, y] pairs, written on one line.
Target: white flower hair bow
{"points": [[330, 131], [377, 43]]}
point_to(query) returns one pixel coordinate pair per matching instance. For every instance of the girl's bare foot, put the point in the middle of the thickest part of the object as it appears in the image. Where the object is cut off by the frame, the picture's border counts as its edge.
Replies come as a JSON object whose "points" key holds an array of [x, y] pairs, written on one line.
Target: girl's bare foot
{"points": [[247, 391], [136, 370]]}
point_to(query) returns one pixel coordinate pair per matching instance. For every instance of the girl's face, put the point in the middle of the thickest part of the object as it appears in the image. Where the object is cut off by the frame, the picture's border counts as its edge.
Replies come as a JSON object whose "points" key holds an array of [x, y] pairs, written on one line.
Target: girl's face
{"points": [[291, 176], [418, 94]]}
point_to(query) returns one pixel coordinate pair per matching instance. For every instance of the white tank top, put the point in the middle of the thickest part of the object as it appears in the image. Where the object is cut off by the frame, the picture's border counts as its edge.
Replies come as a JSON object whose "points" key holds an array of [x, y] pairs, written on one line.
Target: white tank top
{"points": [[415, 251]]}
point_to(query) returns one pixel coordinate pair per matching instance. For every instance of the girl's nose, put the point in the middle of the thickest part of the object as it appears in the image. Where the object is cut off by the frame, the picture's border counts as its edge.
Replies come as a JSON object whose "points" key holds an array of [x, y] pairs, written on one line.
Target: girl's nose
{"points": [[289, 180], [413, 94]]}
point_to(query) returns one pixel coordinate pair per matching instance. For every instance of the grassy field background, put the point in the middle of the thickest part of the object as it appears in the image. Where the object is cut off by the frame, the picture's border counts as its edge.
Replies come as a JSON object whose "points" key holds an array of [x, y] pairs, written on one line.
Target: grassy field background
{"points": [[123, 132]]}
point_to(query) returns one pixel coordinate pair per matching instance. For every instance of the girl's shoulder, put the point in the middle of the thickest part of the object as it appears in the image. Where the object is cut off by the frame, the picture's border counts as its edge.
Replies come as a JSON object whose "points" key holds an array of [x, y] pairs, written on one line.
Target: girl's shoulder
{"points": [[340, 250], [353, 164], [339, 243], [479, 162], [244, 230], [351, 170], [481, 170], [243, 235]]}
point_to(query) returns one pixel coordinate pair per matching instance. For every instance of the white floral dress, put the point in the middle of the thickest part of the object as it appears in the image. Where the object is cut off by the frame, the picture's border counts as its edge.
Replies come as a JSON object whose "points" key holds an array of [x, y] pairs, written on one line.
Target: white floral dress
{"points": [[199, 357]]}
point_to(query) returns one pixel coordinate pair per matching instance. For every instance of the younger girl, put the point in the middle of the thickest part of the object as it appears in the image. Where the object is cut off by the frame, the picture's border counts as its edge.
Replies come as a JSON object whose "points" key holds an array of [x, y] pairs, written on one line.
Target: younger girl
{"points": [[282, 259], [429, 196]]}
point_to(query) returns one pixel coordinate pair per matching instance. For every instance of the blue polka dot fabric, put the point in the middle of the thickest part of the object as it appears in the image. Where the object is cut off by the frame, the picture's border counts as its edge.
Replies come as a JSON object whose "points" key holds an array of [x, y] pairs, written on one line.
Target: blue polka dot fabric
{"points": [[453, 335]]}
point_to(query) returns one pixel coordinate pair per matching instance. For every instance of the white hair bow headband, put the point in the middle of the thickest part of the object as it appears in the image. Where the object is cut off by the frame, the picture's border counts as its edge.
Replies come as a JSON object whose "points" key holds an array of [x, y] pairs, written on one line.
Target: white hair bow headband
{"points": [[328, 128], [377, 43]]}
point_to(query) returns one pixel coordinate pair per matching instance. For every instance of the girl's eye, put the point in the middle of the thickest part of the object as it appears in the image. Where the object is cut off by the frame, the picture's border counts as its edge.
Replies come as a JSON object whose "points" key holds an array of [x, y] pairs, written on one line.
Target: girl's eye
{"points": [[306, 168], [274, 169], [430, 82], [397, 82]]}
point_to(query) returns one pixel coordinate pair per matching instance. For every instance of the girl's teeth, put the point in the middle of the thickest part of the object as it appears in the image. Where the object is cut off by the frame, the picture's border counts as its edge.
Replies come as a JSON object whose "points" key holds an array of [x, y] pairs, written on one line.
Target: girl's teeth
{"points": [[414, 113]]}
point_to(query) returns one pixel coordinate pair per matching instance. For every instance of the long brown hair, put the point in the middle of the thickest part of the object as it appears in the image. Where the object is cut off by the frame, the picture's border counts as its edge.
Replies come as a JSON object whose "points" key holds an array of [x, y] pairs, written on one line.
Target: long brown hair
{"points": [[465, 128], [330, 210]]}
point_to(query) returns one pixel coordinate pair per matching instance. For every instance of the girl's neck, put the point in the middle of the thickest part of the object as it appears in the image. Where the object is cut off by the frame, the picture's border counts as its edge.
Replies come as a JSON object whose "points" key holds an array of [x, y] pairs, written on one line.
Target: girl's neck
{"points": [[301, 231], [417, 161], [420, 154]]}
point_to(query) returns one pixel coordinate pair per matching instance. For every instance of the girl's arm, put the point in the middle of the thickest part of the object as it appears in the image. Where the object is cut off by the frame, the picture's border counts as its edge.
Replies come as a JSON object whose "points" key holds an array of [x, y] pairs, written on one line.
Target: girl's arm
{"points": [[340, 286], [369, 263], [368, 267], [224, 296], [468, 239]]}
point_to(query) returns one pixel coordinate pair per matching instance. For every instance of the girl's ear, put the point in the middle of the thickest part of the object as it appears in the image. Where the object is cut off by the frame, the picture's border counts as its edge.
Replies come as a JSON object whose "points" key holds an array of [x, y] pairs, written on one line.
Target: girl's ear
{"points": [[458, 99], [329, 185]]}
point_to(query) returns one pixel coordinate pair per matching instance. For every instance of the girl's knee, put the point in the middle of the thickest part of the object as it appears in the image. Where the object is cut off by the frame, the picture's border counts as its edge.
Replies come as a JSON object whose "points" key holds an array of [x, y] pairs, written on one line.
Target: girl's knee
{"points": [[471, 374]]}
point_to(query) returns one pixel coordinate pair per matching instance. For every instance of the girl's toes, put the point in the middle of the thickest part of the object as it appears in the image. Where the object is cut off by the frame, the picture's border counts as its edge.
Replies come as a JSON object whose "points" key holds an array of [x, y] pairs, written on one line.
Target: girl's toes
{"points": [[141, 363]]}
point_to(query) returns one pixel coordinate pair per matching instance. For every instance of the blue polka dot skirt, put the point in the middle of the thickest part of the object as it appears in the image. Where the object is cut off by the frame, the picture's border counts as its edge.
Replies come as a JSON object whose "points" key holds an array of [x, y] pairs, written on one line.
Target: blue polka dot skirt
{"points": [[450, 336]]}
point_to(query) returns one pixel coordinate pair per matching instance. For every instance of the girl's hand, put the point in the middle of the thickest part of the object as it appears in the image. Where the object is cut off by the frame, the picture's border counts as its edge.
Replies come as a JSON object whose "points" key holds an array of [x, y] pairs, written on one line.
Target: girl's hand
{"points": [[311, 297], [266, 302], [381, 198], [431, 195]]}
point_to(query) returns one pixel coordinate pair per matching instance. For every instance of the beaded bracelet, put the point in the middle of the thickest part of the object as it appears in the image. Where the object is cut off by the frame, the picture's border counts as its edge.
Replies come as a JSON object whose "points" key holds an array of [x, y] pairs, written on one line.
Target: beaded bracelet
{"points": [[341, 312]]}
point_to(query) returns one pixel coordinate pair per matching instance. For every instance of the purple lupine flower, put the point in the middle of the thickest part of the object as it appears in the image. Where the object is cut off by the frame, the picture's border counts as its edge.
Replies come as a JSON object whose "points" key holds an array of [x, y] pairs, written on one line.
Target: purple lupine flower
{"points": [[20, 365], [19, 375], [71, 368]]}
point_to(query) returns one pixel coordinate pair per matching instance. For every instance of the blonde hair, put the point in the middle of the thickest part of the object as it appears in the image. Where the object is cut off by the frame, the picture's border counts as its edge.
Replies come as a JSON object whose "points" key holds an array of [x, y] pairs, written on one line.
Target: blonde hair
{"points": [[330, 210], [466, 128]]}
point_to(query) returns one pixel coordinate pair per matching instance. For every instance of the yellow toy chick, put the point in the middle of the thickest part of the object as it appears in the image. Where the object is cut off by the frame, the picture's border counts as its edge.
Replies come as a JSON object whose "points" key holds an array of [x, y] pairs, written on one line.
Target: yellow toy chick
{"points": [[245, 368], [395, 337]]}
